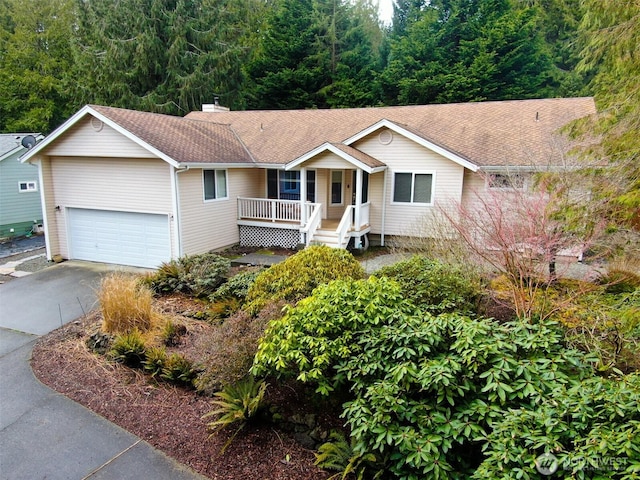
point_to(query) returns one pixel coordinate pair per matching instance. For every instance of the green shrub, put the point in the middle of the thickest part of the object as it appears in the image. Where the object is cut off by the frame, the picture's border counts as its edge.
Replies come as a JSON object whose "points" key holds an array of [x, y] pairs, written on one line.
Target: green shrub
{"points": [[226, 354], [592, 429], [155, 358], [129, 349], [607, 325], [423, 388], [311, 339], [199, 275], [296, 277], [436, 286], [618, 281], [179, 370], [237, 404], [236, 287]]}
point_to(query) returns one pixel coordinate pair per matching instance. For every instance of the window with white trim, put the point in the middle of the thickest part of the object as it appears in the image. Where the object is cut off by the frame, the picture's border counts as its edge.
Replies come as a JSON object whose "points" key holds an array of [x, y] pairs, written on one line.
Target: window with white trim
{"points": [[285, 184], [336, 187], [504, 180], [411, 187], [215, 184], [24, 187]]}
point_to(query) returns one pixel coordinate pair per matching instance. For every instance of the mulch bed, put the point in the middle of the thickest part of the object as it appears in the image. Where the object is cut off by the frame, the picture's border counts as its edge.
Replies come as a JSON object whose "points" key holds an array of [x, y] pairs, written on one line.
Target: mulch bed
{"points": [[166, 416]]}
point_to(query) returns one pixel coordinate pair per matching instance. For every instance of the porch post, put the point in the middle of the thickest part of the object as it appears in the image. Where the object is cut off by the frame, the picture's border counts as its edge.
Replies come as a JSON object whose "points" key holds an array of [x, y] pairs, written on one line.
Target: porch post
{"points": [[358, 205], [303, 196]]}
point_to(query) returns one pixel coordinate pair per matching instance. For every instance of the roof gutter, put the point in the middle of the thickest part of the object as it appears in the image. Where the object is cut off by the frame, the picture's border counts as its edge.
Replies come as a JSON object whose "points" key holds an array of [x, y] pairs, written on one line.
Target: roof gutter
{"points": [[188, 165]]}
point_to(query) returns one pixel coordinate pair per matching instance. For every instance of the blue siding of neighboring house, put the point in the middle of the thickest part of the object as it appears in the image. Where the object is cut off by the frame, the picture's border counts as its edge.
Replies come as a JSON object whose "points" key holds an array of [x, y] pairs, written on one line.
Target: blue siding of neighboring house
{"points": [[18, 210]]}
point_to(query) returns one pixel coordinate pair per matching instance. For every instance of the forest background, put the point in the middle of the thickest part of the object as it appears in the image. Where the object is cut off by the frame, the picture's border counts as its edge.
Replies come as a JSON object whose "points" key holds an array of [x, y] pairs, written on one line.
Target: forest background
{"points": [[172, 56]]}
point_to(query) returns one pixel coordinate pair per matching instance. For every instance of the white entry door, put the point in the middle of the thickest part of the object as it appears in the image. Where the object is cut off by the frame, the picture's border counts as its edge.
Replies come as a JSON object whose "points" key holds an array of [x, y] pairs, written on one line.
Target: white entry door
{"points": [[124, 238]]}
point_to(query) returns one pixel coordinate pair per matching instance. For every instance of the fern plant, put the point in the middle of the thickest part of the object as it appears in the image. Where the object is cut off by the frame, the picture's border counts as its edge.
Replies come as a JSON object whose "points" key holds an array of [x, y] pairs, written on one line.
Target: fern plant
{"points": [[340, 455], [237, 404], [155, 359], [129, 349], [179, 370]]}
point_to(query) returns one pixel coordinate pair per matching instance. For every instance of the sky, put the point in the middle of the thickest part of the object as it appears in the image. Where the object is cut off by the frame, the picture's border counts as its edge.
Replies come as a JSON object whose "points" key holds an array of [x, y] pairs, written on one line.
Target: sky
{"points": [[386, 10]]}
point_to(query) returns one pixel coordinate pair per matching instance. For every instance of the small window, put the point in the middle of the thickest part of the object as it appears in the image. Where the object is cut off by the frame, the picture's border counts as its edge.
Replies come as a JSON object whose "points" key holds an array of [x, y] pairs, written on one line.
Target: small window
{"points": [[502, 180], [27, 187], [215, 184], [413, 188], [336, 187]]}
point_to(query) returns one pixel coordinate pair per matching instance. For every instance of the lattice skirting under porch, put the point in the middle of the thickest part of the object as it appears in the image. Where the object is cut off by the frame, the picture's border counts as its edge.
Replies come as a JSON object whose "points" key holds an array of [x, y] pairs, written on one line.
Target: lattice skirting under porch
{"points": [[251, 236]]}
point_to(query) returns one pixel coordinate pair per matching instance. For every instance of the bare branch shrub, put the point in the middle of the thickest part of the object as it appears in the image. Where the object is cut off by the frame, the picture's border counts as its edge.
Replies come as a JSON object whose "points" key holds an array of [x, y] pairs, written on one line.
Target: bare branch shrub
{"points": [[228, 351], [517, 233]]}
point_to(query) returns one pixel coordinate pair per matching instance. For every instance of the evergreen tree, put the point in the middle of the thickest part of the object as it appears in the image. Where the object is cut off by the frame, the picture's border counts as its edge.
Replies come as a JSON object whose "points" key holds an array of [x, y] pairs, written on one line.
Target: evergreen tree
{"points": [[611, 36], [162, 56], [405, 14], [468, 50], [559, 21], [35, 60], [316, 54]]}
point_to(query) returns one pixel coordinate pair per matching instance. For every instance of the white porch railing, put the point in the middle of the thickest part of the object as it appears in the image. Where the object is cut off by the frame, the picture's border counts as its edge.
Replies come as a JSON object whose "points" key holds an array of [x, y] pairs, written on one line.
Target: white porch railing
{"points": [[287, 211], [264, 209], [365, 210], [314, 219], [345, 226]]}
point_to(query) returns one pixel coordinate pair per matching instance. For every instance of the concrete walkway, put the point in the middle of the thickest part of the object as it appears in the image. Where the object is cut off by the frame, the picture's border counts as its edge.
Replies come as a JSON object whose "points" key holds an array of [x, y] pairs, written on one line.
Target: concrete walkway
{"points": [[43, 434]]}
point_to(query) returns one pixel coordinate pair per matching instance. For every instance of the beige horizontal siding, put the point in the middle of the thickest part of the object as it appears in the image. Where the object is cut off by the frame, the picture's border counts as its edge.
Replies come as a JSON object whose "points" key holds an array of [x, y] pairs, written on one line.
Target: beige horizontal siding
{"points": [[474, 187], [376, 198], [83, 139], [328, 160], [213, 225], [404, 155], [131, 185]]}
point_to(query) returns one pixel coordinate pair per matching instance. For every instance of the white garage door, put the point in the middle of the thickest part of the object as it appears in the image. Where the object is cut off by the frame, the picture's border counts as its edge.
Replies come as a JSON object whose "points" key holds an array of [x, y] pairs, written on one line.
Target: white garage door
{"points": [[125, 238]]}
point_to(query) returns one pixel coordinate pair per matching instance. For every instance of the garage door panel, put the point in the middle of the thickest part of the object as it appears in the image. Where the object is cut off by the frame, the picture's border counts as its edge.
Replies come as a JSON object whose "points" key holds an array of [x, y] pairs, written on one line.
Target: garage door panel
{"points": [[126, 238]]}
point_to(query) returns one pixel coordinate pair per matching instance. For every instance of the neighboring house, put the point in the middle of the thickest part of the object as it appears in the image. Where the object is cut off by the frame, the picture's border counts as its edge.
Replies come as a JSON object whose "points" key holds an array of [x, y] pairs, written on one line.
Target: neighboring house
{"points": [[20, 204], [137, 188]]}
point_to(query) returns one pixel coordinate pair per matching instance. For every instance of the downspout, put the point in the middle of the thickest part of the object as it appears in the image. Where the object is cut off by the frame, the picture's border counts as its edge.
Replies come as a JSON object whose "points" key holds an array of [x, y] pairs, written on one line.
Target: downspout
{"points": [[384, 207], [175, 189], [43, 205]]}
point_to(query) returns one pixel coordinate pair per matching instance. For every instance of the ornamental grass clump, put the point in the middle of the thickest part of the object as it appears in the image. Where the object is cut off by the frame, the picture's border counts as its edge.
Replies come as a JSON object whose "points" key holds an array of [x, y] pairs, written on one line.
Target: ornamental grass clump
{"points": [[126, 304]]}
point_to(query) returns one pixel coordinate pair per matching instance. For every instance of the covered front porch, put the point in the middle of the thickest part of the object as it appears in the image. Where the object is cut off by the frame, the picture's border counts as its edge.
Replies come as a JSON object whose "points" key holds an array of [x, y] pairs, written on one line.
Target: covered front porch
{"points": [[321, 197], [289, 223]]}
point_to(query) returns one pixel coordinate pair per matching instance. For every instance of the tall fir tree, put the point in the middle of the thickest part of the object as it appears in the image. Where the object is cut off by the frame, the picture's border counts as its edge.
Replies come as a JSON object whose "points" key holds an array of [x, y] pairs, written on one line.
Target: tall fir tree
{"points": [[611, 35], [468, 50], [316, 54], [35, 61], [163, 56]]}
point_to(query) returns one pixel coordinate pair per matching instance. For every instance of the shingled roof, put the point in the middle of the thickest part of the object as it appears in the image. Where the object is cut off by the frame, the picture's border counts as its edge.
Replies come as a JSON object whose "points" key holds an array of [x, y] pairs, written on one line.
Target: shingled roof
{"points": [[184, 140], [488, 134]]}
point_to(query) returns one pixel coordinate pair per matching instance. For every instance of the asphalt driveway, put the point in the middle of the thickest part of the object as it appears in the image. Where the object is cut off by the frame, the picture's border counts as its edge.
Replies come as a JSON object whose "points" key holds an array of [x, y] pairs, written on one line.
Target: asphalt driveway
{"points": [[44, 434]]}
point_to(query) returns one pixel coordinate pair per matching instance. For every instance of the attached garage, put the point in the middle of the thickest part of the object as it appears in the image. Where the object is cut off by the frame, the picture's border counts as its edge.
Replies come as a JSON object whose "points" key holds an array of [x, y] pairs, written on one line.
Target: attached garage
{"points": [[125, 238]]}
